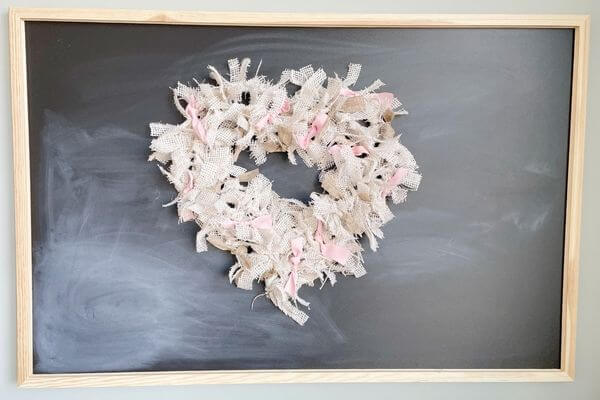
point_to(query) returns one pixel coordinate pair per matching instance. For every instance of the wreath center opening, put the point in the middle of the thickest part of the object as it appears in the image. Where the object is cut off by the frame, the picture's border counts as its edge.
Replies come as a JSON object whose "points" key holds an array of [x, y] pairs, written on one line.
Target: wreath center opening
{"points": [[289, 181]]}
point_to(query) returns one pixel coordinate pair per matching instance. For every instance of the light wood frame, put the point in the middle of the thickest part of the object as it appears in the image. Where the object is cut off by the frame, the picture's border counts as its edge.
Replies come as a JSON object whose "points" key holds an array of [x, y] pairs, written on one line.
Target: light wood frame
{"points": [[22, 191]]}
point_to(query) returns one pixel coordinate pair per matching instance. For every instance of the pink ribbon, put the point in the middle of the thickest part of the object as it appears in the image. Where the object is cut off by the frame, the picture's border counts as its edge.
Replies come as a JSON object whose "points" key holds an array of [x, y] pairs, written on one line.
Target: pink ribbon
{"points": [[356, 150], [285, 107], [348, 92], [385, 98], [394, 181], [262, 222], [315, 128], [331, 250], [267, 119], [198, 124], [270, 117], [291, 286], [187, 215], [190, 182]]}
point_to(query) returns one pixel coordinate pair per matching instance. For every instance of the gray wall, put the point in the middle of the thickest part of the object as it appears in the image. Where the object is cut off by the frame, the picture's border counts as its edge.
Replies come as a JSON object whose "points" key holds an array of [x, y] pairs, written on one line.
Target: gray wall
{"points": [[585, 386]]}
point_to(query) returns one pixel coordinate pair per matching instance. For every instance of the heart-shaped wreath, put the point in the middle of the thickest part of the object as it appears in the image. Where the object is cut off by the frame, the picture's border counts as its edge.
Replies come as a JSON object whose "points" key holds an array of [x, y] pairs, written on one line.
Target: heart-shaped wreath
{"points": [[285, 243]]}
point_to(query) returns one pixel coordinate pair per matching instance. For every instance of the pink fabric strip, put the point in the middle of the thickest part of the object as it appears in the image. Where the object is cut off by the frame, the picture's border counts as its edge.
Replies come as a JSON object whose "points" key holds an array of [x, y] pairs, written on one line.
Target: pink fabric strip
{"points": [[348, 92], [190, 182], [331, 250], [187, 215], [270, 117], [385, 98], [394, 181], [335, 149], [267, 119], [262, 222], [285, 107], [315, 128], [228, 224], [291, 286], [197, 123], [356, 150], [359, 150]]}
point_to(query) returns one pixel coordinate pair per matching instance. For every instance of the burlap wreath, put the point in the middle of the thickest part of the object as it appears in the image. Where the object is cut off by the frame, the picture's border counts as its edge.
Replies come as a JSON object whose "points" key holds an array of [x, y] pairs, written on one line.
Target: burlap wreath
{"points": [[282, 242]]}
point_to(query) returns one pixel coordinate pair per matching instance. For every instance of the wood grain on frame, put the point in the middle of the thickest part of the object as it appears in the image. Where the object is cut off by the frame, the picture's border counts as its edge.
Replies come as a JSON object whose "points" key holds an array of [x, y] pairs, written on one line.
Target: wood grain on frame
{"points": [[22, 196]]}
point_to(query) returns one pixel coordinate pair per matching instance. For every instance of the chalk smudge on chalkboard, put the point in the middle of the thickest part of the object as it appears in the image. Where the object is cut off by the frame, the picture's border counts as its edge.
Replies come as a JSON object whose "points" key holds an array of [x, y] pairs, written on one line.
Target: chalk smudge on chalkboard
{"points": [[124, 286]]}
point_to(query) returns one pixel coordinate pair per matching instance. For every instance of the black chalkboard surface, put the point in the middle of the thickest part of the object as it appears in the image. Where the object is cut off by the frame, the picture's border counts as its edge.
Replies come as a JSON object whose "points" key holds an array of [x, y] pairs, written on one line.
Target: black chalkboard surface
{"points": [[468, 276]]}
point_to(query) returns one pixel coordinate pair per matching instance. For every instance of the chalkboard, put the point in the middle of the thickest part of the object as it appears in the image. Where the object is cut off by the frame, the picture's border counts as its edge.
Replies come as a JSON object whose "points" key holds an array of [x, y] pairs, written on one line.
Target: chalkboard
{"points": [[469, 274]]}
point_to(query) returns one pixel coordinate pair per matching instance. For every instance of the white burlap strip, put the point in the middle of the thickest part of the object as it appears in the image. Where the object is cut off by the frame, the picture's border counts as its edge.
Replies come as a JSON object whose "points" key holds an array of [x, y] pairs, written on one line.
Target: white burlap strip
{"points": [[346, 134]]}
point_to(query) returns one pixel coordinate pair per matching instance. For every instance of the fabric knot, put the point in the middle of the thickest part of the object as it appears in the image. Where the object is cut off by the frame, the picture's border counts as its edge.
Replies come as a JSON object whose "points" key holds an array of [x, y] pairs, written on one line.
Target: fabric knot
{"points": [[198, 124], [269, 118], [385, 99], [315, 128], [394, 181], [356, 150], [348, 92], [190, 182], [291, 287], [331, 250]]}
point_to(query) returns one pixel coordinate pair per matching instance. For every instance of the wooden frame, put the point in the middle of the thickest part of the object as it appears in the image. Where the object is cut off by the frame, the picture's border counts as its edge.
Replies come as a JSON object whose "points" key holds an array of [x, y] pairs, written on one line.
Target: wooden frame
{"points": [[25, 375]]}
